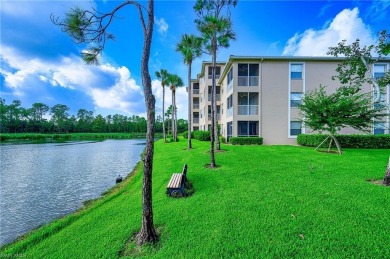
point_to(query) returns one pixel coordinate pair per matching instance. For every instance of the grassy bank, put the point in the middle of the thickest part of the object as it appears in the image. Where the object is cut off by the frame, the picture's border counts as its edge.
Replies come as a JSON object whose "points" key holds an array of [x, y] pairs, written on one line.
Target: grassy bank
{"points": [[262, 202], [72, 136]]}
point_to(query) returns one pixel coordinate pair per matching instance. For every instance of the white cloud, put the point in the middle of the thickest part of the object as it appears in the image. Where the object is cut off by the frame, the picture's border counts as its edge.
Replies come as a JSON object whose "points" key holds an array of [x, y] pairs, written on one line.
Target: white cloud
{"points": [[162, 25], [181, 99], [377, 10], [109, 87], [347, 25]]}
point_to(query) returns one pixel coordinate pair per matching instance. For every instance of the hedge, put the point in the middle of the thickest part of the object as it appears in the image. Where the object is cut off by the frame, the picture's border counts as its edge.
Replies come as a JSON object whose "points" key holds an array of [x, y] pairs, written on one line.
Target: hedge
{"points": [[202, 135], [347, 141], [246, 140], [185, 134]]}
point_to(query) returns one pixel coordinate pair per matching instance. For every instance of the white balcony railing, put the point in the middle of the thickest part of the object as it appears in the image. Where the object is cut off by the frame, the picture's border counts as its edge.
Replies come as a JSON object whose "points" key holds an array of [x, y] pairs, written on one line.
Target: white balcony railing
{"points": [[211, 76], [248, 81], [229, 112], [218, 117], [230, 85], [248, 110], [218, 97]]}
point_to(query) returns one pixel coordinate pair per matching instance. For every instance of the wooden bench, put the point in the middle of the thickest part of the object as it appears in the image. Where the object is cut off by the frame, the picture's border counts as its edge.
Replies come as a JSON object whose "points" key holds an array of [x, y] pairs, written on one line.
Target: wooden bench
{"points": [[175, 187]]}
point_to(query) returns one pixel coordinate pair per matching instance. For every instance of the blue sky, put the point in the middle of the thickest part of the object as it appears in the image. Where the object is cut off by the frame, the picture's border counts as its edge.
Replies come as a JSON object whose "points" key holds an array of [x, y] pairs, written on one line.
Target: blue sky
{"points": [[39, 63]]}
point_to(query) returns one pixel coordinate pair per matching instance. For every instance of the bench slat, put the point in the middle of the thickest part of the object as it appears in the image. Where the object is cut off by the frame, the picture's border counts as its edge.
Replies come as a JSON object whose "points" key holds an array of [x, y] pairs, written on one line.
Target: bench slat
{"points": [[175, 181]]}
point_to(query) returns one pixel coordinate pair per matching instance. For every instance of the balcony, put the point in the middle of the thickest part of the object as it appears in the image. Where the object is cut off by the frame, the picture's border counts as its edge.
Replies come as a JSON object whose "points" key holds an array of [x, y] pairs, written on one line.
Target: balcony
{"points": [[195, 106], [229, 112], [218, 117], [248, 110], [248, 81], [195, 120], [218, 96], [195, 91], [230, 85], [216, 76]]}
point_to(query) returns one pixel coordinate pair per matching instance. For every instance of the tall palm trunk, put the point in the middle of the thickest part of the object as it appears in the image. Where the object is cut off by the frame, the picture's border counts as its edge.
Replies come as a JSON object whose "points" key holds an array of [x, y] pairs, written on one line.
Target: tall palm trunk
{"points": [[189, 107], [173, 114], [148, 233], [163, 114], [213, 108]]}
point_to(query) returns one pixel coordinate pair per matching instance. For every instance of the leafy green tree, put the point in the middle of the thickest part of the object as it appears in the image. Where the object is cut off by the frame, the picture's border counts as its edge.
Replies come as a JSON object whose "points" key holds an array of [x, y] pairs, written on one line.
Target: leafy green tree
{"points": [[216, 32], [163, 76], [36, 114], [84, 121], [356, 69], [347, 107], [59, 117], [14, 116], [3, 117], [87, 26], [190, 48], [174, 81], [99, 124]]}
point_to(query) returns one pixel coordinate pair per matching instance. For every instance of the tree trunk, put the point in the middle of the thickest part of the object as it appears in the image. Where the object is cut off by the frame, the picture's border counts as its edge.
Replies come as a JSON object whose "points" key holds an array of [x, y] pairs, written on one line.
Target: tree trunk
{"points": [[147, 233], [189, 107], [163, 114], [386, 180], [175, 120], [213, 107], [173, 114], [174, 127], [214, 104]]}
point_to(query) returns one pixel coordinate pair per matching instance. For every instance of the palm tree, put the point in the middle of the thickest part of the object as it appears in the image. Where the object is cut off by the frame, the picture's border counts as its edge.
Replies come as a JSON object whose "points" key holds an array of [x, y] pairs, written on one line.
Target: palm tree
{"points": [[168, 114], [174, 81], [81, 26], [190, 48], [163, 76], [216, 32]]}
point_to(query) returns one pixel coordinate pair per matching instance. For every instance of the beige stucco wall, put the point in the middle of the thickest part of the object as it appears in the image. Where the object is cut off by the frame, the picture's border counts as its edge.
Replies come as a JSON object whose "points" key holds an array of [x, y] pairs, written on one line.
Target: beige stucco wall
{"points": [[274, 91]]}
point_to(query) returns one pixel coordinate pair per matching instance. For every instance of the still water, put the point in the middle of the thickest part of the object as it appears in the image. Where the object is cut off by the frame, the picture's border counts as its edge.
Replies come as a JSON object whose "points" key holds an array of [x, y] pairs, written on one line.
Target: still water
{"points": [[41, 182]]}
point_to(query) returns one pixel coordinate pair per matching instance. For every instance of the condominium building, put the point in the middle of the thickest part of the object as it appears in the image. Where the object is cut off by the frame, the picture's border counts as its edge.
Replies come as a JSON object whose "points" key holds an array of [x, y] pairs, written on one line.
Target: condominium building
{"points": [[258, 96]]}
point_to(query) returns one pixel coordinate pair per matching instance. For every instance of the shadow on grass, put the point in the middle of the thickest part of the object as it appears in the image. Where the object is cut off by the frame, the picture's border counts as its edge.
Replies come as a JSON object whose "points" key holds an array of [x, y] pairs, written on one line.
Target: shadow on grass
{"points": [[132, 249]]}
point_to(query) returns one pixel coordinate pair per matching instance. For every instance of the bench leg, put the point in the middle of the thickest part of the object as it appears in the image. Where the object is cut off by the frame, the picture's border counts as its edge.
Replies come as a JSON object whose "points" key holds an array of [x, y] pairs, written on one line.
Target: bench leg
{"points": [[176, 194]]}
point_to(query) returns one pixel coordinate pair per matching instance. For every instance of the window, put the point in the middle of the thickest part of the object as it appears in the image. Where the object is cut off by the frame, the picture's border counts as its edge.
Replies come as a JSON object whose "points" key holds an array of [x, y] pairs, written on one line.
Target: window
{"points": [[295, 99], [196, 88], [381, 103], [248, 74], [248, 103], [229, 101], [296, 71], [247, 128], [379, 71], [229, 105], [295, 128], [230, 76], [229, 130], [379, 127], [217, 72]]}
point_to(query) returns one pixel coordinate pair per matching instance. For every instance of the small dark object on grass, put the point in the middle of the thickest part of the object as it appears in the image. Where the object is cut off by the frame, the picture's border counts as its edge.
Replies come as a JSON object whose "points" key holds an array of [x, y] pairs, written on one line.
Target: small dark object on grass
{"points": [[119, 179]]}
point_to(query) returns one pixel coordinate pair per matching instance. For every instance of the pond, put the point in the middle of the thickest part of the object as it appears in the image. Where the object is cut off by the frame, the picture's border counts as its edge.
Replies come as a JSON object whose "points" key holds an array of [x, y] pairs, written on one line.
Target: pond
{"points": [[41, 182]]}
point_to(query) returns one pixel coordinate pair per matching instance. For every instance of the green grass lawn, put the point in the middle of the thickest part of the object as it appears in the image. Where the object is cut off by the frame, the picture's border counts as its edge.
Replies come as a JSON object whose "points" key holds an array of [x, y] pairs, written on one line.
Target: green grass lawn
{"points": [[262, 202]]}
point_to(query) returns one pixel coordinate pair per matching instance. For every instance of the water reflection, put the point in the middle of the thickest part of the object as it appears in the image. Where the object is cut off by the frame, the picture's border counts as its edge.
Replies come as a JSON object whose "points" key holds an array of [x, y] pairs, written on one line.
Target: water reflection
{"points": [[41, 182]]}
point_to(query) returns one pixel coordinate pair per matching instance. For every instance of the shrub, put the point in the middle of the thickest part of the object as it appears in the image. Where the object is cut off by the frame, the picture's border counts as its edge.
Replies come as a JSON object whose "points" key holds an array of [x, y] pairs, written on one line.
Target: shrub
{"points": [[347, 141], [246, 140], [202, 135], [185, 134]]}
